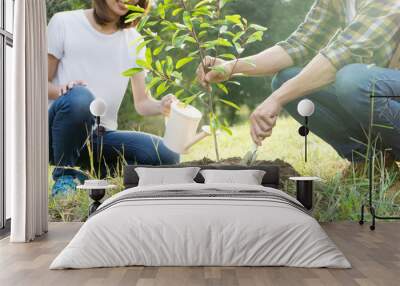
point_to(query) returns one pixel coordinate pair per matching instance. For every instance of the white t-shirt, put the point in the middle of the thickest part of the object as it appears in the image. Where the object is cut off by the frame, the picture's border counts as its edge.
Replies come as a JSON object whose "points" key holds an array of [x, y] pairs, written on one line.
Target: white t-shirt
{"points": [[96, 58]]}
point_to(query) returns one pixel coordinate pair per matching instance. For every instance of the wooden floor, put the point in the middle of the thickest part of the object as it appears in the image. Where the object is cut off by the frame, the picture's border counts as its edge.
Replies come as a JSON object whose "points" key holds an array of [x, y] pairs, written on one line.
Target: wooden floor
{"points": [[375, 257]]}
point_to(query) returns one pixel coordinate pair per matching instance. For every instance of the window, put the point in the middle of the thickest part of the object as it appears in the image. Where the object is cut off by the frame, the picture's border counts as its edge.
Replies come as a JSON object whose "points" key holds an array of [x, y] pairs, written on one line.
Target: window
{"points": [[6, 44]]}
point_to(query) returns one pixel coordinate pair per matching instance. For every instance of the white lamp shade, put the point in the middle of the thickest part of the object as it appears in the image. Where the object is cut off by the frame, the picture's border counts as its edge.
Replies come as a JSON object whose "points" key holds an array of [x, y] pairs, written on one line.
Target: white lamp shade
{"points": [[306, 108], [98, 107]]}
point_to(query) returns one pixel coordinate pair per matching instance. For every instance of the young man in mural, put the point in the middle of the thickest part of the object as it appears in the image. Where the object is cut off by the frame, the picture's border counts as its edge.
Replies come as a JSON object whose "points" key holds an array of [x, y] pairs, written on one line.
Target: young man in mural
{"points": [[342, 52], [87, 52]]}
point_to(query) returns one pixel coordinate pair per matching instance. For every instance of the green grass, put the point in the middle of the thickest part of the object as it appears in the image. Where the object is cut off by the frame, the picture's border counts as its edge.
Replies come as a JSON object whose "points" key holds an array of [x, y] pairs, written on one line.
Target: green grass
{"points": [[284, 144], [336, 198]]}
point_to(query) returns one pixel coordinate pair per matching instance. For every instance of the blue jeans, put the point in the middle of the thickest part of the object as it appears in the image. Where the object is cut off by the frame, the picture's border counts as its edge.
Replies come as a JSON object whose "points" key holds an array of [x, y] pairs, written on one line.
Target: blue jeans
{"points": [[70, 125], [343, 108]]}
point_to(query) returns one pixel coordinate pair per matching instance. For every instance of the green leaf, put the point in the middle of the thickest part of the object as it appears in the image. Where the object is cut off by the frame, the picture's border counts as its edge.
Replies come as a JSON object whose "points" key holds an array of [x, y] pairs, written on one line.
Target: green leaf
{"points": [[132, 17], [239, 48], [235, 19], [177, 11], [149, 56], [177, 75], [187, 20], [190, 39], [131, 72], [183, 62], [170, 66], [230, 103], [227, 130], [144, 64], [256, 36], [153, 82], [158, 50], [202, 34], [192, 54], [141, 46], [142, 23], [152, 23], [134, 8], [190, 99], [181, 27], [258, 27], [237, 36], [223, 88], [179, 93], [201, 3], [206, 26], [162, 88], [223, 42], [214, 122], [161, 11], [159, 67], [202, 11], [228, 56]]}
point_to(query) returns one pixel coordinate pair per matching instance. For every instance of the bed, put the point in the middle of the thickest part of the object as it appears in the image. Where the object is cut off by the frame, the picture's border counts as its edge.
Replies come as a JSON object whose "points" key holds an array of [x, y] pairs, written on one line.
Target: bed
{"points": [[198, 224]]}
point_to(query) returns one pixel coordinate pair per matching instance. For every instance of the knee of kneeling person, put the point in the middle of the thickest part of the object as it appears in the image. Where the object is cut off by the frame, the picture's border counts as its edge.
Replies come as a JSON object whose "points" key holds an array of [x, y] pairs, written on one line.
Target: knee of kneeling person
{"points": [[283, 76], [351, 80], [77, 103]]}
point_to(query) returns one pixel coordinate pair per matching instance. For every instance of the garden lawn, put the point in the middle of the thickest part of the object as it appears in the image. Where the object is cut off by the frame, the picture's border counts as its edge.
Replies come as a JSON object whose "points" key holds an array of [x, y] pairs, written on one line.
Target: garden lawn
{"points": [[285, 144]]}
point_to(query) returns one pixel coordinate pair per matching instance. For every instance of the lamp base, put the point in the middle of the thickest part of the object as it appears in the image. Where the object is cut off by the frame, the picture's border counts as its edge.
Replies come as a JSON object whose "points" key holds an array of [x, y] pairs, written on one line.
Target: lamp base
{"points": [[304, 131], [96, 195]]}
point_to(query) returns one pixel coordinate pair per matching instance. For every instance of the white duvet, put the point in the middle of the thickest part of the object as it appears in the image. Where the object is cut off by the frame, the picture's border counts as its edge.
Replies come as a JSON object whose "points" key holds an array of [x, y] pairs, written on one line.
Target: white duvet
{"points": [[203, 231]]}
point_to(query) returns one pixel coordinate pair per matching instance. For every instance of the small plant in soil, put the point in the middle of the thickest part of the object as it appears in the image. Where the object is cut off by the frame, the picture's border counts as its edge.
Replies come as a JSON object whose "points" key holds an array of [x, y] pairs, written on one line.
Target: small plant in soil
{"points": [[178, 36]]}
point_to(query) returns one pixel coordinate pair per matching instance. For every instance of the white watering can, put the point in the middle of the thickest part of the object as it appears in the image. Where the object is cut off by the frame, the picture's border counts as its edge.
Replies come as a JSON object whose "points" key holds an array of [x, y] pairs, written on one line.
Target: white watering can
{"points": [[181, 128]]}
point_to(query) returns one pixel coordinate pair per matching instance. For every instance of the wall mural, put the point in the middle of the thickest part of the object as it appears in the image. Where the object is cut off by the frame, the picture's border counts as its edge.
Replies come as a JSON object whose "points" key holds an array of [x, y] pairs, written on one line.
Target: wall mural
{"points": [[222, 82]]}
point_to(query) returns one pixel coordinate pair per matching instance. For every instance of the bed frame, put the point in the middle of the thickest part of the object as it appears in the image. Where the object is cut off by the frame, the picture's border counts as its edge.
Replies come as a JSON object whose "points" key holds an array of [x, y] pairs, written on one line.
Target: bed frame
{"points": [[270, 179]]}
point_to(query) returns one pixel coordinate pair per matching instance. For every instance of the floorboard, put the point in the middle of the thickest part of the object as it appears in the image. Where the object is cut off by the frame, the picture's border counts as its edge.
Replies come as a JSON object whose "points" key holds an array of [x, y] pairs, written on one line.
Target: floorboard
{"points": [[375, 257]]}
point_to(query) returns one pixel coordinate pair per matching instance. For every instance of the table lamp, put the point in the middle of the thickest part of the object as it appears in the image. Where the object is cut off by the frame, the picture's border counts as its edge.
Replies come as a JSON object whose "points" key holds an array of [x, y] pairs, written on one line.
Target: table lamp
{"points": [[305, 108], [98, 108]]}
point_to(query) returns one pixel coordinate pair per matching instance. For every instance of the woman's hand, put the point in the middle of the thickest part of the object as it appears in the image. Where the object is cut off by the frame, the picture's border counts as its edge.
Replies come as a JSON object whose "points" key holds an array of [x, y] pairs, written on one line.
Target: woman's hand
{"points": [[65, 88], [263, 119], [166, 102], [213, 76]]}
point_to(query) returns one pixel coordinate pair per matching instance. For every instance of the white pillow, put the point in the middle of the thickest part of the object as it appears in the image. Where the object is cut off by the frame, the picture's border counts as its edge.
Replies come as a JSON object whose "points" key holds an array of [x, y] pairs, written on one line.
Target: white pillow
{"points": [[166, 176], [247, 177]]}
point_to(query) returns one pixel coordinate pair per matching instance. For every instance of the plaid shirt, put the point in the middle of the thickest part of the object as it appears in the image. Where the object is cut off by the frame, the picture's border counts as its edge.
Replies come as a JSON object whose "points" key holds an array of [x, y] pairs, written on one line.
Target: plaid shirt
{"points": [[371, 38]]}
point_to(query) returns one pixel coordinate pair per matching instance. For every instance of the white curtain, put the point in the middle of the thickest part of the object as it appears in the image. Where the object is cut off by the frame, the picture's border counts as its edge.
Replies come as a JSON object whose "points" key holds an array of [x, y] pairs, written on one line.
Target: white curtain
{"points": [[26, 124]]}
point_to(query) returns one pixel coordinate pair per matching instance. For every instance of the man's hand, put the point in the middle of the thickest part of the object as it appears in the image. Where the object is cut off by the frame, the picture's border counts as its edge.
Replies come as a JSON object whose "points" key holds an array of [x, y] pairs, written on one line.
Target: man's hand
{"points": [[65, 88], [223, 72], [165, 104], [263, 119]]}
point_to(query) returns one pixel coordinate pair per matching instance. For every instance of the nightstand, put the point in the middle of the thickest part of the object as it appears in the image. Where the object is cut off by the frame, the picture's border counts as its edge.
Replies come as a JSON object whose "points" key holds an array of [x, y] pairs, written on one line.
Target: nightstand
{"points": [[304, 190], [97, 190]]}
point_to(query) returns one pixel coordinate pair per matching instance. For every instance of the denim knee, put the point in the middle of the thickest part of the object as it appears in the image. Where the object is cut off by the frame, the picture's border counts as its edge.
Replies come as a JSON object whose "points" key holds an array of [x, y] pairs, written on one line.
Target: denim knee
{"points": [[75, 104], [352, 85], [283, 76]]}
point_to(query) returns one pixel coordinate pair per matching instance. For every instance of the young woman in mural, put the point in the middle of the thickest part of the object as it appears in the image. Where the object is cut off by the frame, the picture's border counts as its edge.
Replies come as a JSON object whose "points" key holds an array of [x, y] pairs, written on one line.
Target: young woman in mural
{"points": [[343, 52], [87, 52]]}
